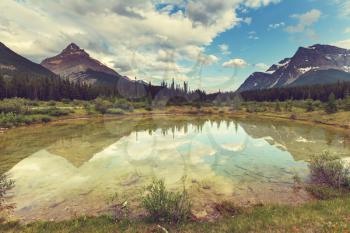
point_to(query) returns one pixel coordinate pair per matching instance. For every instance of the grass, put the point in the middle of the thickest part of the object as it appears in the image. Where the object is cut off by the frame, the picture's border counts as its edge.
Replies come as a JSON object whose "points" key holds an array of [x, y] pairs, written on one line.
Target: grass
{"points": [[31, 111], [317, 216]]}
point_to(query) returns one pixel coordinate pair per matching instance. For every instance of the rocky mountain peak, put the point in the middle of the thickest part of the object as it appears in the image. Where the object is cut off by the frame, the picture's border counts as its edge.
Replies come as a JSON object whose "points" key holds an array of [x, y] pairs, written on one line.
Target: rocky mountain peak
{"points": [[73, 49], [74, 63], [305, 61]]}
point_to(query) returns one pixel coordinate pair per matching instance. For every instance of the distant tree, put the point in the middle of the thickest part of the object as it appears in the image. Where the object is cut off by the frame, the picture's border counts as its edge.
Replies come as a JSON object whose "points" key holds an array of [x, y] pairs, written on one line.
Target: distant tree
{"points": [[2, 88], [309, 105], [331, 106], [237, 102], [347, 103], [277, 106]]}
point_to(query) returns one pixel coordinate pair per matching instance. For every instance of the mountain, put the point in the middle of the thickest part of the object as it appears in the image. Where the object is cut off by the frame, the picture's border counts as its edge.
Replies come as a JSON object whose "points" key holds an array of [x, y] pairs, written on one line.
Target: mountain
{"points": [[317, 64], [322, 76], [12, 64], [76, 64]]}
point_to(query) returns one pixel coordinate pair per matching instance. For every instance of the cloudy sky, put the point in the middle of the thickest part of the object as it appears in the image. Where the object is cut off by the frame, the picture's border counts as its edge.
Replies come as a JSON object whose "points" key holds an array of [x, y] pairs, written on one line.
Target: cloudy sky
{"points": [[212, 44]]}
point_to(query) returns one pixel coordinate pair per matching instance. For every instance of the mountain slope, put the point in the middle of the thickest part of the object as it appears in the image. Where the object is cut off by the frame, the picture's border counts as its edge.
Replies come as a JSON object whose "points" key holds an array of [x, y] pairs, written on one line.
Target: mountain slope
{"points": [[77, 65], [305, 60], [12, 64], [322, 76]]}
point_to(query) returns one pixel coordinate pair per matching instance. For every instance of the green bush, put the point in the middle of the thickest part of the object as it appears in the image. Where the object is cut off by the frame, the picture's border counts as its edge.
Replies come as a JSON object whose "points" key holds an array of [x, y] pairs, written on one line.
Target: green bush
{"points": [[11, 119], [5, 185], [115, 111], [309, 106], [51, 103], [102, 105], [163, 205], [329, 170], [46, 119], [331, 106], [14, 105], [58, 112]]}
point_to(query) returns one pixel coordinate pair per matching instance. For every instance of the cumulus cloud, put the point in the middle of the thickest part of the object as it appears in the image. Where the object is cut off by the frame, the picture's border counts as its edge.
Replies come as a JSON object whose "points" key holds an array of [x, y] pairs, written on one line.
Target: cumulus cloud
{"points": [[259, 3], [276, 26], [235, 63], [304, 21], [133, 36], [343, 44]]}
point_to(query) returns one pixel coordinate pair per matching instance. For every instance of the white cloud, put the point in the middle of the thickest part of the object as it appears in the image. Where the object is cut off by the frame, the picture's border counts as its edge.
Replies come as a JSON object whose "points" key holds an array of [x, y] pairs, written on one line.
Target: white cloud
{"points": [[347, 30], [259, 3], [276, 26], [247, 20], [304, 21], [132, 36], [252, 36], [237, 63], [344, 6], [343, 44], [224, 49], [261, 66]]}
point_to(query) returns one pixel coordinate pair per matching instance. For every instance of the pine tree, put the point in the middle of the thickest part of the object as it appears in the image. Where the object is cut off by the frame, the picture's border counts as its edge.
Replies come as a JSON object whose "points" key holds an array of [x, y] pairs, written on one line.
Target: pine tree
{"points": [[309, 105], [277, 106], [237, 102], [331, 106]]}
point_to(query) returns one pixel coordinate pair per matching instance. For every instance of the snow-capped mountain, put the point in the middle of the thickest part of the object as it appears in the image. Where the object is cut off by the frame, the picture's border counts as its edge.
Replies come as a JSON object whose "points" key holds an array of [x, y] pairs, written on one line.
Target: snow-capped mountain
{"points": [[306, 61]]}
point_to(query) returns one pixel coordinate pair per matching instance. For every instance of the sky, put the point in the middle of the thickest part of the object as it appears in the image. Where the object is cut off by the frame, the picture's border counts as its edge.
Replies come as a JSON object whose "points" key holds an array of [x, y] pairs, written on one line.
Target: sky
{"points": [[211, 44]]}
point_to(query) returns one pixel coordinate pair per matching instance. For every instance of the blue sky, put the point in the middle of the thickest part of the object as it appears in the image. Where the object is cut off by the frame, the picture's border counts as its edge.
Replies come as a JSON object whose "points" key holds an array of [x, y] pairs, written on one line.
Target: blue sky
{"points": [[266, 39], [212, 44]]}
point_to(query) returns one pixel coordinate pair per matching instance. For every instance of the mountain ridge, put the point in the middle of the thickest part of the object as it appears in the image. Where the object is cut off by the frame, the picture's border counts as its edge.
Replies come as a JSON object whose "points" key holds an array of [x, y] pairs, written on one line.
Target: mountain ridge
{"points": [[303, 62], [12, 63]]}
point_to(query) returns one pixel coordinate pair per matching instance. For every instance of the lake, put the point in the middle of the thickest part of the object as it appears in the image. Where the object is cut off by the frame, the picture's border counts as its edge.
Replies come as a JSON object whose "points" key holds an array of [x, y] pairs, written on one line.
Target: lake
{"points": [[72, 168]]}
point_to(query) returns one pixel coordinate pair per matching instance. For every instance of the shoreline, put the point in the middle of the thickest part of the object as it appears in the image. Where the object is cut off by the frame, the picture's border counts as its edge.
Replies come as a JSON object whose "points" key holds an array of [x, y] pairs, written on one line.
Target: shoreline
{"points": [[205, 112]]}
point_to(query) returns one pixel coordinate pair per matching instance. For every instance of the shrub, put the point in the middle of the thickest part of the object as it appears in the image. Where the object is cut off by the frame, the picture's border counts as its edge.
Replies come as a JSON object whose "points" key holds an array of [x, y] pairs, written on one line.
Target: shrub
{"points": [[11, 119], [331, 106], [51, 103], [46, 119], [163, 205], [5, 185], [58, 112], [102, 105], [15, 105], [115, 111], [329, 170], [309, 106], [277, 106]]}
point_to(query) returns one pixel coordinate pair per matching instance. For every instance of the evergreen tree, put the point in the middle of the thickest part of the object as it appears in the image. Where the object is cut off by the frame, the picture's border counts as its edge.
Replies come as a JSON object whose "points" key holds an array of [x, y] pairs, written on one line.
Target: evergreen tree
{"points": [[331, 106], [237, 102], [309, 106], [277, 106]]}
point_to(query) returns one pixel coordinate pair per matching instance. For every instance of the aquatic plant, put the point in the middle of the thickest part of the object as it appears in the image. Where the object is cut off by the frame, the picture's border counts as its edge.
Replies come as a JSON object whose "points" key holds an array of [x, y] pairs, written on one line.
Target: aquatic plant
{"points": [[165, 206]]}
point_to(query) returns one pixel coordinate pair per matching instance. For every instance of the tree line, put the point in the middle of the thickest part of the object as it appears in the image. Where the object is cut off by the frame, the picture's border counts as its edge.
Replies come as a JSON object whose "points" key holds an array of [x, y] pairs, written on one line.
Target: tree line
{"points": [[54, 88], [316, 92]]}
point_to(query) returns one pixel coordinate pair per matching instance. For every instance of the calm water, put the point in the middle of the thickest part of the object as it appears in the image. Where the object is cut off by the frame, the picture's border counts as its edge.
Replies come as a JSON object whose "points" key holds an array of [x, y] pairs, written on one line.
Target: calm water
{"points": [[71, 169]]}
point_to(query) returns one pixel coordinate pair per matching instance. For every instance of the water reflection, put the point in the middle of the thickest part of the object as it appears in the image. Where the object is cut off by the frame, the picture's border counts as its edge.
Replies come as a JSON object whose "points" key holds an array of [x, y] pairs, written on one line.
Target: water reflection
{"points": [[66, 169]]}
